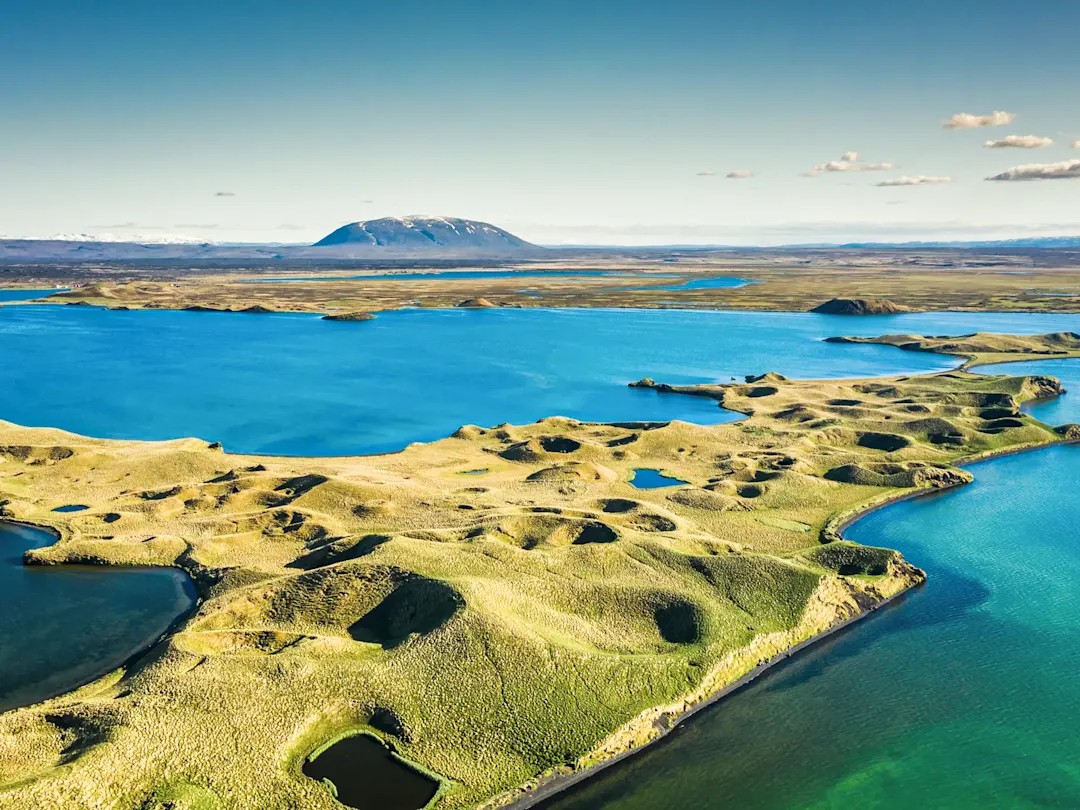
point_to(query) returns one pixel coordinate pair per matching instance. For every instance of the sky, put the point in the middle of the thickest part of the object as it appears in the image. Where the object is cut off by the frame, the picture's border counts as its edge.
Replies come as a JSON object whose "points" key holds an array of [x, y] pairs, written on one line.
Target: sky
{"points": [[564, 122]]}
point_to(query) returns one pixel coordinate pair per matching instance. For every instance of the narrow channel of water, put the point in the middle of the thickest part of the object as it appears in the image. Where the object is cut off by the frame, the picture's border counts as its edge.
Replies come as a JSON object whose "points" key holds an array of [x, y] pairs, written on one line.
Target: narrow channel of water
{"points": [[64, 626]]}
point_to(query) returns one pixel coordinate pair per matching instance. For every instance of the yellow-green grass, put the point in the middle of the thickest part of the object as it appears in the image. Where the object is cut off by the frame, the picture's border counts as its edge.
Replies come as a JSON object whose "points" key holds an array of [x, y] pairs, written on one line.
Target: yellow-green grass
{"points": [[541, 616], [983, 348]]}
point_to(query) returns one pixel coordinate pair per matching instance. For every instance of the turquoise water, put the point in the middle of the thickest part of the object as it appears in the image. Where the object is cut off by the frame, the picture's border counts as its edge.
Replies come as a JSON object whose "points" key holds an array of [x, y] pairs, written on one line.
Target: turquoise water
{"points": [[64, 626], [962, 695], [719, 282], [715, 283], [295, 384], [653, 479]]}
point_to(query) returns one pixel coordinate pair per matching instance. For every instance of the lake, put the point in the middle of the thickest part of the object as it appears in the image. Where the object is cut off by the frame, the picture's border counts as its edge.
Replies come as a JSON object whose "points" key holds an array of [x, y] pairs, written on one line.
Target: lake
{"points": [[961, 695], [297, 385], [65, 626]]}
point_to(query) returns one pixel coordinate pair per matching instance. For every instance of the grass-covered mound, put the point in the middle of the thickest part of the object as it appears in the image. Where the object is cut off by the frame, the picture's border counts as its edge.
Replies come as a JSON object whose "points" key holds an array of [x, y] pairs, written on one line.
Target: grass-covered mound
{"points": [[544, 615], [860, 306]]}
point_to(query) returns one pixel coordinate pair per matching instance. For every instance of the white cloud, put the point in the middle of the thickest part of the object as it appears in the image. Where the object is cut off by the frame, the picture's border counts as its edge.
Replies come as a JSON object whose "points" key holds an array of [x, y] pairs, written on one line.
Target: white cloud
{"points": [[921, 180], [739, 174], [1065, 170], [706, 173], [1076, 144], [997, 118], [1019, 142], [848, 163]]}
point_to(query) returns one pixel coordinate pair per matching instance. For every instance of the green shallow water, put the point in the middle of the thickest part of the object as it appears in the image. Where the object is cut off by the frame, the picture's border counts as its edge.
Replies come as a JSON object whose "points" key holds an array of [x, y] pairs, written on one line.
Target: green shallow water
{"points": [[964, 694]]}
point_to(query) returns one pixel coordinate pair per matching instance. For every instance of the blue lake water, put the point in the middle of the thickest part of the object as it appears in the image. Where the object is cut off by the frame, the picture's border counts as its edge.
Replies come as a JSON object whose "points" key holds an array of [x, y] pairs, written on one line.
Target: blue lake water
{"points": [[716, 283], [719, 282], [24, 295], [298, 385], [1057, 411], [653, 479], [64, 626]]}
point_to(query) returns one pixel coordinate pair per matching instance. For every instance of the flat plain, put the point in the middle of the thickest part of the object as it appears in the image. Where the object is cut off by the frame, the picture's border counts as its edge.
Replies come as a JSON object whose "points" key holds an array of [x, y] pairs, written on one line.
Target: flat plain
{"points": [[1014, 280]]}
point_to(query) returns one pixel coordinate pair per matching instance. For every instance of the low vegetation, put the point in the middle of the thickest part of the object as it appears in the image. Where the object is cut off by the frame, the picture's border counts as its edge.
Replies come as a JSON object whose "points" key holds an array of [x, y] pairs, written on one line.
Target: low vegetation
{"points": [[982, 348], [848, 281], [498, 605]]}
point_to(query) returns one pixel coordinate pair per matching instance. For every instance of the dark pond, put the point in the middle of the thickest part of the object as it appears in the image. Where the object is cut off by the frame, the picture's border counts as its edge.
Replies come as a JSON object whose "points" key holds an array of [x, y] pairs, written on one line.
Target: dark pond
{"points": [[367, 776], [64, 626], [73, 507]]}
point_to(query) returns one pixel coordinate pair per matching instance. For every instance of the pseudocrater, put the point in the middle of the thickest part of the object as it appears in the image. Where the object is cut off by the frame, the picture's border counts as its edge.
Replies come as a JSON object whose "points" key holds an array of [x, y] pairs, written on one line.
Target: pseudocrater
{"points": [[415, 607], [363, 773]]}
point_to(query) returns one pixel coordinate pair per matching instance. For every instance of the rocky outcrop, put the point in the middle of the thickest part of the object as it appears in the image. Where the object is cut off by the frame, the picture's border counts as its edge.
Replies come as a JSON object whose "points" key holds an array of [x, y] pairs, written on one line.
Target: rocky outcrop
{"points": [[860, 306], [1070, 432], [349, 316]]}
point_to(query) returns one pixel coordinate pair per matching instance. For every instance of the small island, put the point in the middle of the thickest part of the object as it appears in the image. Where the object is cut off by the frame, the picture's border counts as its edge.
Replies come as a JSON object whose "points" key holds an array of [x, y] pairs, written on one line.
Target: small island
{"points": [[349, 316]]}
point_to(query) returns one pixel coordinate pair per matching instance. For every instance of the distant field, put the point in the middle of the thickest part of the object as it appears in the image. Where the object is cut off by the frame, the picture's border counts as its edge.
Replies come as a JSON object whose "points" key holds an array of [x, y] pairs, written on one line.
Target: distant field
{"points": [[789, 280]]}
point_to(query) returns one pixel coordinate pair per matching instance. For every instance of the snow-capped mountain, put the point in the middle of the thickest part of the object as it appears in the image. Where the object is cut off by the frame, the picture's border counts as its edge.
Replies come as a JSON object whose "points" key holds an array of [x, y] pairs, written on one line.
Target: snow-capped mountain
{"points": [[424, 234]]}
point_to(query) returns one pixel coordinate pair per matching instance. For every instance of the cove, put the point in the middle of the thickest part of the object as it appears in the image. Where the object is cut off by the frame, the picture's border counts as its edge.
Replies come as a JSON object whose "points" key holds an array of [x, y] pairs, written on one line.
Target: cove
{"points": [[64, 626], [296, 385], [25, 295], [367, 776], [1052, 411], [963, 695]]}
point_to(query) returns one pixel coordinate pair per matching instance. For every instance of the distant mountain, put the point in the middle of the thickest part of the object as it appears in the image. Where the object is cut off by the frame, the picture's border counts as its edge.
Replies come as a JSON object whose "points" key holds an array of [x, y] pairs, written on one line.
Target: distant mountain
{"points": [[426, 235], [392, 238], [1026, 242]]}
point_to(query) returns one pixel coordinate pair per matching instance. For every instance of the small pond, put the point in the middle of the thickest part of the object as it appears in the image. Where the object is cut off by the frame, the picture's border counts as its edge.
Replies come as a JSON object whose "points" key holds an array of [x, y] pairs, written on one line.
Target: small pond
{"points": [[71, 507], [366, 775], [653, 479]]}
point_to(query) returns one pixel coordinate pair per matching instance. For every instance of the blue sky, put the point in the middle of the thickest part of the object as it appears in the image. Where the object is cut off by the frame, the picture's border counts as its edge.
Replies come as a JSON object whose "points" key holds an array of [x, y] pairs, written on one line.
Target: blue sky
{"points": [[565, 122]]}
